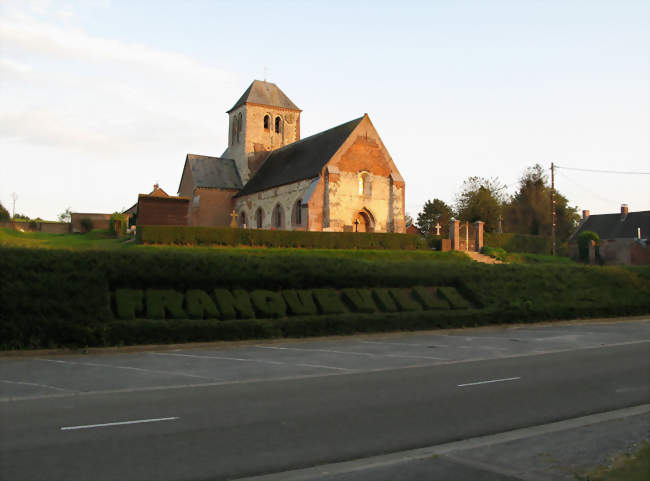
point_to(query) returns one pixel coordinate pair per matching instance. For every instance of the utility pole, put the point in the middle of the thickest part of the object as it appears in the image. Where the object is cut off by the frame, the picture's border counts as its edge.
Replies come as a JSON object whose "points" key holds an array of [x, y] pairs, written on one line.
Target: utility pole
{"points": [[14, 196], [553, 219]]}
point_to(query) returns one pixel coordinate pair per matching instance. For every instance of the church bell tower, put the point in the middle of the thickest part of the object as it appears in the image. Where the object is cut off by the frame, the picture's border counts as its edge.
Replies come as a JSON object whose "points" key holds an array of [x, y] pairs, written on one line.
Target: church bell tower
{"points": [[263, 119]]}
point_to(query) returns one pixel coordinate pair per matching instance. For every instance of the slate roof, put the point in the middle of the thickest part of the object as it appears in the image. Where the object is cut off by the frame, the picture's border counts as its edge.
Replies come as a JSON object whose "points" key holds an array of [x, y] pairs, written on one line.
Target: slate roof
{"points": [[610, 226], [264, 93], [300, 160], [213, 172]]}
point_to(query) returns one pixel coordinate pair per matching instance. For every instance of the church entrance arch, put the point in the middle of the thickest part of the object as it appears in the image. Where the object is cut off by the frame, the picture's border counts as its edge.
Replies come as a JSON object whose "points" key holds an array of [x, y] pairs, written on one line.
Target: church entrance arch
{"points": [[364, 221]]}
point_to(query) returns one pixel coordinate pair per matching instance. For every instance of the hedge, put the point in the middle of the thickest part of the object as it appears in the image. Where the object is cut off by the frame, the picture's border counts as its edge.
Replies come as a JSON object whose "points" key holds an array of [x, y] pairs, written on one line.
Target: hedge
{"points": [[225, 236], [54, 298], [531, 244]]}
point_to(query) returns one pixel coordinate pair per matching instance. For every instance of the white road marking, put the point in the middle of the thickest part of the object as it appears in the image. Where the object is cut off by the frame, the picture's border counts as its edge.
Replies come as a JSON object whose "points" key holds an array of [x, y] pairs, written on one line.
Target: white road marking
{"points": [[405, 344], [245, 359], [129, 368], [34, 384], [370, 354], [328, 367], [488, 382], [119, 423]]}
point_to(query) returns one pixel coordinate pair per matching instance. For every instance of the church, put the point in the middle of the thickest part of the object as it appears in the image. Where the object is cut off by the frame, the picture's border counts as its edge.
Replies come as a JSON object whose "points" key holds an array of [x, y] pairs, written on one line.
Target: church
{"points": [[341, 179]]}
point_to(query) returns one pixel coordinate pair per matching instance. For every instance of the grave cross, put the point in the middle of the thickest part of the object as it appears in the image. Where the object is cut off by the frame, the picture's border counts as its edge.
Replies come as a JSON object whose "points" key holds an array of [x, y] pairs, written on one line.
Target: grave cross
{"points": [[356, 225], [233, 222], [437, 226]]}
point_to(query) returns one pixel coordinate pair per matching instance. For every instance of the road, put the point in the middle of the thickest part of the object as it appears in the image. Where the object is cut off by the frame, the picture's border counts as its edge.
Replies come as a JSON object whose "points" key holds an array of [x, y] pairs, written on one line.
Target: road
{"points": [[387, 398]]}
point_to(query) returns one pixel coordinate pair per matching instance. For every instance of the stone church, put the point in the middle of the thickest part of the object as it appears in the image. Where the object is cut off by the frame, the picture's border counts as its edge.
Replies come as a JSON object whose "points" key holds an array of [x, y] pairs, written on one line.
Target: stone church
{"points": [[341, 179]]}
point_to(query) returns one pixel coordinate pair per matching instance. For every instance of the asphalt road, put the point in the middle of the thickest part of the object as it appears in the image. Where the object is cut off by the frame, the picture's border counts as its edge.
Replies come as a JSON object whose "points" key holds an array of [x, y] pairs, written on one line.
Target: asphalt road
{"points": [[256, 426]]}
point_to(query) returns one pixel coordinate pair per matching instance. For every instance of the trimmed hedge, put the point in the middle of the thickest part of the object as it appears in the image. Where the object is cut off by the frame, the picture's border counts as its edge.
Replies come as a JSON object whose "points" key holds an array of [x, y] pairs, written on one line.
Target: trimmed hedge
{"points": [[54, 298], [226, 236], [531, 244]]}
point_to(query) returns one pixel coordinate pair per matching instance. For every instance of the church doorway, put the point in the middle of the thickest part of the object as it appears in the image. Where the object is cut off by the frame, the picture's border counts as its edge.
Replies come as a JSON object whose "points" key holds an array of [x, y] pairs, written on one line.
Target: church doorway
{"points": [[364, 222]]}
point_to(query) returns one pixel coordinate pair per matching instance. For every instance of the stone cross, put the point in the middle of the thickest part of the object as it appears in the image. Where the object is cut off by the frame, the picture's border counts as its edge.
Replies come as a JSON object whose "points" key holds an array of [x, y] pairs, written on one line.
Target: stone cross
{"points": [[437, 227], [233, 222]]}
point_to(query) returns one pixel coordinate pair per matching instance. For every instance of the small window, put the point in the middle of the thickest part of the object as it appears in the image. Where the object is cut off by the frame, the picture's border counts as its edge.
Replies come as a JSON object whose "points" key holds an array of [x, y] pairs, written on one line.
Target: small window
{"points": [[267, 122], [238, 126], [364, 184], [278, 124]]}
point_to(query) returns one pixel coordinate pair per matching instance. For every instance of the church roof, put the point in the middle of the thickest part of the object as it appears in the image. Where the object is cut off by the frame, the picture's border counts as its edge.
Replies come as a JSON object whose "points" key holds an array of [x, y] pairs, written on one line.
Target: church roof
{"points": [[264, 93], [300, 160], [213, 172]]}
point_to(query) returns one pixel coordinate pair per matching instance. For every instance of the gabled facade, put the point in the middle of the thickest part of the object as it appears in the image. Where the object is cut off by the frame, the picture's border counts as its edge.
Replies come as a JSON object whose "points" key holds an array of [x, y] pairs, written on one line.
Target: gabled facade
{"points": [[341, 179]]}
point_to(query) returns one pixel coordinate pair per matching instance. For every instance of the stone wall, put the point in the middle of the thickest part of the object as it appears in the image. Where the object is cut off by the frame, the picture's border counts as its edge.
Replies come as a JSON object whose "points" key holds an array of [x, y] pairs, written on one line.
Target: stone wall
{"points": [[285, 196], [254, 139]]}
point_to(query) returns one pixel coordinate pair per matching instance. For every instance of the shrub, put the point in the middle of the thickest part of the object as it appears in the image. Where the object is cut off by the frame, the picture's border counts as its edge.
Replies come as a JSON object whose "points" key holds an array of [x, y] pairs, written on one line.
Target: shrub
{"points": [[584, 238], [87, 224], [4, 214], [183, 235], [118, 223], [532, 244]]}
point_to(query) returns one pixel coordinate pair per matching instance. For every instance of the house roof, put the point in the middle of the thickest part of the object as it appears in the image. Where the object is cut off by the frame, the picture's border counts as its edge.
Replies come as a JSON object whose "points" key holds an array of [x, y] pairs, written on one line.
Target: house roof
{"points": [[611, 226], [264, 93], [213, 172], [300, 160]]}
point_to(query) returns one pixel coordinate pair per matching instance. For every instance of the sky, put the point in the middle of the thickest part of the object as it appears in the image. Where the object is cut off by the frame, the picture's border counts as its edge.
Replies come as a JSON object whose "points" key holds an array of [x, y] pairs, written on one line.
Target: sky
{"points": [[100, 99]]}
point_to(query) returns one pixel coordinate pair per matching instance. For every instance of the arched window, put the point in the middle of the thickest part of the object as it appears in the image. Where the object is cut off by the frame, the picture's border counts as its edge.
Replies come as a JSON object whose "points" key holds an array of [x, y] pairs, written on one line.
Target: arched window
{"points": [[238, 126], [259, 218], [299, 212], [277, 218], [364, 184], [278, 124], [267, 122], [242, 219]]}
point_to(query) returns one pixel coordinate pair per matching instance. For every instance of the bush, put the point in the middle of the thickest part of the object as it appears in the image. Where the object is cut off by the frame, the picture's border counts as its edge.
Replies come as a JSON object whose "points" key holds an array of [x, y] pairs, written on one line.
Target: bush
{"points": [[4, 214], [532, 244], [584, 239], [87, 224], [62, 297], [118, 223], [183, 235]]}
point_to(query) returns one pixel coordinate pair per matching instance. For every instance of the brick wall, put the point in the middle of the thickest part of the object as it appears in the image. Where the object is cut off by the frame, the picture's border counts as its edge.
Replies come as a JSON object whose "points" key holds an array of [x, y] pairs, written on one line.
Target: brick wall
{"points": [[162, 210], [100, 221], [211, 207]]}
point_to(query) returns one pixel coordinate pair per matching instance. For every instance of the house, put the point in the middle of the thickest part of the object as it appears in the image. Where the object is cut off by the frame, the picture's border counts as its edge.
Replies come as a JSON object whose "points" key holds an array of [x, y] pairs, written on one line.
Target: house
{"points": [[623, 236], [341, 179]]}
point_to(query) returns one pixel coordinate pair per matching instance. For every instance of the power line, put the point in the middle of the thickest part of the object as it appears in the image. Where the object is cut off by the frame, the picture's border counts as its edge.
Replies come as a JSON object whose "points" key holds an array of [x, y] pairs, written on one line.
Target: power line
{"points": [[586, 189], [602, 171]]}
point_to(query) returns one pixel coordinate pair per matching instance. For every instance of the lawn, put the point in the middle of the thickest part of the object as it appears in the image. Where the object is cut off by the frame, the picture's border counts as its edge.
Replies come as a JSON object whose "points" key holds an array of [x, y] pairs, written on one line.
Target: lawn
{"points": [[625, 467], [103, 240]]}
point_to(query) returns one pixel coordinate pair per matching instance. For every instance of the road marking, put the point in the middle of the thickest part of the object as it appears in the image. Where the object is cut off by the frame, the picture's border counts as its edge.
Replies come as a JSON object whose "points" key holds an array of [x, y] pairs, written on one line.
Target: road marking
{"points": [[488, 382], [35, 384], [119, 423], [314, 473], [244, 359], [328, 367], [129, 368], [264, 361], [405, 344], [354, 353]]}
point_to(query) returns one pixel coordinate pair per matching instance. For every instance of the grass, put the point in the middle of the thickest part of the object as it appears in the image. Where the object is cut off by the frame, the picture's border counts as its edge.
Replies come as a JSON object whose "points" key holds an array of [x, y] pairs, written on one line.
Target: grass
{"points": [[524, 258], [624, 467], [103, 240]]}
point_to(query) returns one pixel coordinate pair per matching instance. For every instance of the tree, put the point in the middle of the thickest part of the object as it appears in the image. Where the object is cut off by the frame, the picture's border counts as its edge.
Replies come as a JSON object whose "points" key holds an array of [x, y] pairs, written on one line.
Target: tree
{"points": [[434, 211], [529, 210], [481, 199], [66, 215], [408, 220], [4, 214]]}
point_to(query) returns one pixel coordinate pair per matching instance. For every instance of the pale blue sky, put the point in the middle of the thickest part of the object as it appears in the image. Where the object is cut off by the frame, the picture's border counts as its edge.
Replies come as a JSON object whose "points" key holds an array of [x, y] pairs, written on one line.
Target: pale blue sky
{"points": [[99, 99]]}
